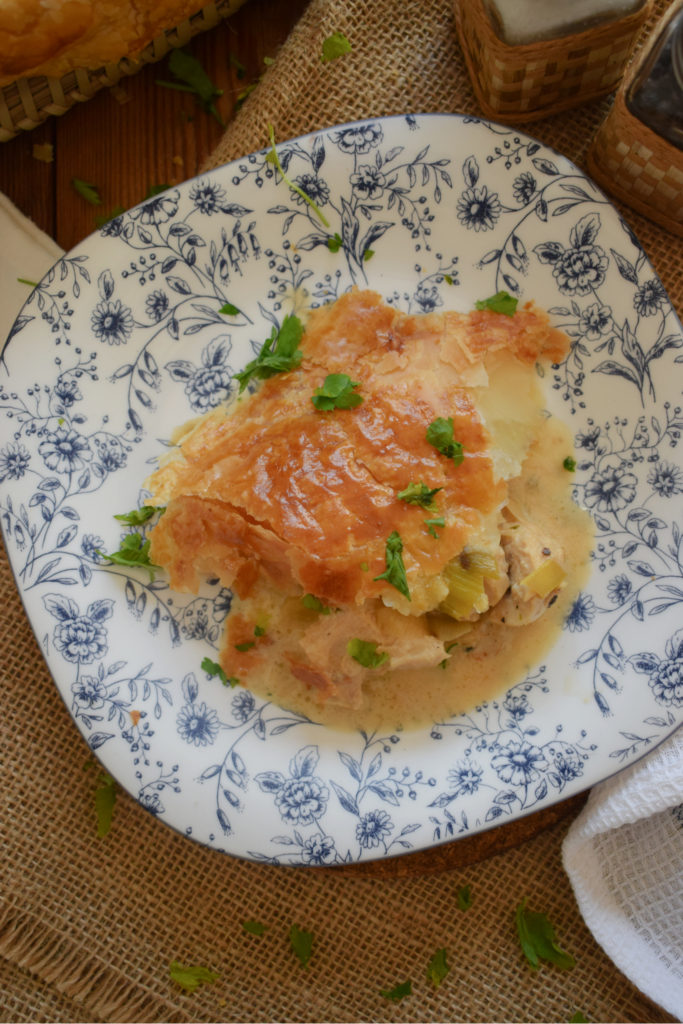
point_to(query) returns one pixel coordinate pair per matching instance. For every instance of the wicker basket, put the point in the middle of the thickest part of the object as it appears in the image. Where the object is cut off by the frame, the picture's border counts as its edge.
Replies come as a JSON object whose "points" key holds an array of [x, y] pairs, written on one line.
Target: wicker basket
{"points": [[27, 102], [636, 165], [526, 82]]}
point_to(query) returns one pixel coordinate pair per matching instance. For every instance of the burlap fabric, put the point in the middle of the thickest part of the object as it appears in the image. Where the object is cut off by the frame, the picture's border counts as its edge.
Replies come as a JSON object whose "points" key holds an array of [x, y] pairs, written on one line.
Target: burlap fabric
{"points": [[88, 926]]}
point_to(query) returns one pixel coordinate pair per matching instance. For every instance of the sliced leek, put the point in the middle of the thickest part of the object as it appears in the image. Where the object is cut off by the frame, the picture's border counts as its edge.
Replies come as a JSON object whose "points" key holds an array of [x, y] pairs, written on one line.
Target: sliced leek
{"points": [[545, 578], [466, 594], [482, 562]]}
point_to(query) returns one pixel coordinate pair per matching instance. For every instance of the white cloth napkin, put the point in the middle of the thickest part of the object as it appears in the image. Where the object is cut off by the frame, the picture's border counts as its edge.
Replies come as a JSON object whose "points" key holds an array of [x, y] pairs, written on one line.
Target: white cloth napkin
{"points": [[624, 858], [26, 252], [623, 854]]}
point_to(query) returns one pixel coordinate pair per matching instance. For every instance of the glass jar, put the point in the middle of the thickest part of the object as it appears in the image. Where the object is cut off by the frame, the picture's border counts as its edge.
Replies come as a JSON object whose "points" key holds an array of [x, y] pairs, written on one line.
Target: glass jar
{"points": [[655, 95]]}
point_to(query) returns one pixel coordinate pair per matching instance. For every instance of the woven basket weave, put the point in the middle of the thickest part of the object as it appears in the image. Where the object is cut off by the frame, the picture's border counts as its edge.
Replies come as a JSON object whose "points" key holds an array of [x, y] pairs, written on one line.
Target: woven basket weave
{"points": [[530, 81], [27, 102], [636, 165]]}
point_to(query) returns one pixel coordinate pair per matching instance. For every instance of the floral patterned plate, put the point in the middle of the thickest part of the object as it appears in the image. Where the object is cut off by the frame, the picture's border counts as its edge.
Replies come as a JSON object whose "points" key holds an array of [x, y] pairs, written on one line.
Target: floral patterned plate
{"points": [[123, 340]]}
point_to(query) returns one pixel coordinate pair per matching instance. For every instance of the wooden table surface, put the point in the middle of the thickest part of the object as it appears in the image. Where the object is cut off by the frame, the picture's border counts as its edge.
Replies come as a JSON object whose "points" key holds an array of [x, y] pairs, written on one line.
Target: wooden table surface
{"points": [[157, 136]]}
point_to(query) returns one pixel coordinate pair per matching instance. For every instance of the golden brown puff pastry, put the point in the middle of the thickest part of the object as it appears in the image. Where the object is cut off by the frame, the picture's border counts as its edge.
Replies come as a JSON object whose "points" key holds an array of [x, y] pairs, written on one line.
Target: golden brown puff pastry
{"points": [[52, 37]]}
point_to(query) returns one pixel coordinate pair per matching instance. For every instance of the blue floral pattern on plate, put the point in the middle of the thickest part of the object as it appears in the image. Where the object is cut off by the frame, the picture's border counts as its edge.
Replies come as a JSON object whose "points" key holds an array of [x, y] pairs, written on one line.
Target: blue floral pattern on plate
{"points": [[144, 325]]}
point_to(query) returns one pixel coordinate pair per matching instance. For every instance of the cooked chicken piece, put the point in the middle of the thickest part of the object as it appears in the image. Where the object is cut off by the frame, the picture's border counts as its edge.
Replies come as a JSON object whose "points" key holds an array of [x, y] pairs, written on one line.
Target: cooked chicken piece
{"points": [[534, 571]]}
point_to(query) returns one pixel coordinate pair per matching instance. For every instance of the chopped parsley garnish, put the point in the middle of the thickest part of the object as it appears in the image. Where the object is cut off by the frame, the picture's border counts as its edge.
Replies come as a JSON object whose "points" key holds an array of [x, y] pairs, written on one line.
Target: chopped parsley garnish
{"points": [[335, 46], [43, 151], [105, 218], [314, 604], [437, 968], [105, 798], [440, 435], [134, 552], [273, 158], [229, 309], [432, 523], [156, 190], [365, 653], [537, 939], [245, 646], [501, 302], [420, 494], [464, 893], [254, 927], [569, 464], [448, 279], [395, 572], [302, 943], [194, 79], [368, 254], [335, 243], [191, 977], [139, 516], [279, 353], [87, 191], [337, 392], [398, 992], [259, 631], [212, 668]]}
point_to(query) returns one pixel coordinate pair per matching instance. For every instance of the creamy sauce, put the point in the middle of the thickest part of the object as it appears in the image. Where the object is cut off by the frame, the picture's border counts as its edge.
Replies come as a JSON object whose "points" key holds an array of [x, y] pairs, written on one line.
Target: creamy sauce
{"points": [[492, 656]]}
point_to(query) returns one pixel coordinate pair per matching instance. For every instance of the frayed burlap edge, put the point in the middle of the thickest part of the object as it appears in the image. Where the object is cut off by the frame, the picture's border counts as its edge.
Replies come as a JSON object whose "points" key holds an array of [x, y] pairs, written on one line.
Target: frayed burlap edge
{"points": [[54, 959]]}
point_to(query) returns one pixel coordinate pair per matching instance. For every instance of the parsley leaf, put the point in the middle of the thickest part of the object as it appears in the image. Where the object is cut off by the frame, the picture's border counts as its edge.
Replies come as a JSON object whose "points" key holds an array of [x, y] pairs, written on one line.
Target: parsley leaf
{"points": [[106, 217], [314, 604], [190, 72], [212, 668], [537, 939], [302, 943], [229, 310], [134, 552], [464, 893], [105, 798], [432, 523], [156, 190], [191, 977], [337, 392], [87, 191], [335, 46], [420, 494], [395, 572], [273, 158], [254, 927], [138, 516], [398, 992], [569, 464], [335, 243], [440, 435], [283, 357], [501, 302], [437, 968], [365, 653]]}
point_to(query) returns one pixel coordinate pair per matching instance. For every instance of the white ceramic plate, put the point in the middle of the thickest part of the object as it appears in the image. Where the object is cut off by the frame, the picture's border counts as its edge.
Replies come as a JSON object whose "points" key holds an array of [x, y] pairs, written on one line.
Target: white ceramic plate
{"points": [[122, 341]]}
